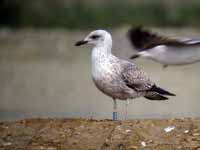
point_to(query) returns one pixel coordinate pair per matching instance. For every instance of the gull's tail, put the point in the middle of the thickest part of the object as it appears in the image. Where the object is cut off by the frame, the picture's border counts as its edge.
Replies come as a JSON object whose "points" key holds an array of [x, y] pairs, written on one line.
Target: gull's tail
{"points": [[157, 93]]}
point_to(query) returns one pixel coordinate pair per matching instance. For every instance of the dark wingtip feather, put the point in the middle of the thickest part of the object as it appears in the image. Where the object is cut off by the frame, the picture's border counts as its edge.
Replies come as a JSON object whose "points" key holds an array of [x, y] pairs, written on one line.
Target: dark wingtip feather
{"points": [[161, 91], [134, 56], [135, 35], [141, 38], [156, 97]]}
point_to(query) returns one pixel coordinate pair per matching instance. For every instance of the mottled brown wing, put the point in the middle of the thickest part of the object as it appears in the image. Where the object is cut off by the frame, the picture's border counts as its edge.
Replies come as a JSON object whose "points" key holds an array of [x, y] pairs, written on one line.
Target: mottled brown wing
{"points": [[136, 79]]}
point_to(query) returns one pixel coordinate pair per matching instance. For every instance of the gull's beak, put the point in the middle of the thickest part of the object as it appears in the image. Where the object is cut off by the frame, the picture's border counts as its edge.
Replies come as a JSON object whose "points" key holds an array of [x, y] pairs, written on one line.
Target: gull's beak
{"points": [[135, 56], [82, 42]]}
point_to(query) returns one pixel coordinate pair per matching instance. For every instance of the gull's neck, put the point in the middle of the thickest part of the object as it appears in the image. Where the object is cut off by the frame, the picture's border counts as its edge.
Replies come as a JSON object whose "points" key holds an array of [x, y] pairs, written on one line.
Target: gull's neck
{"points": [[101, 56], [103, 48]]}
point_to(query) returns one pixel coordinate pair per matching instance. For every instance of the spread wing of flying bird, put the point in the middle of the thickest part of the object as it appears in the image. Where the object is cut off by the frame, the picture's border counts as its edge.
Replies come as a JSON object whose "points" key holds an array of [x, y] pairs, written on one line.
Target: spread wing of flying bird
{"points": [[165, 50]]}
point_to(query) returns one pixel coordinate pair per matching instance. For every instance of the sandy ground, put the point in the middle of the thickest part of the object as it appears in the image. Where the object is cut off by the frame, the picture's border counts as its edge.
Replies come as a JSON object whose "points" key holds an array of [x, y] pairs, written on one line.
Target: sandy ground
{"points": [[82, 134]]}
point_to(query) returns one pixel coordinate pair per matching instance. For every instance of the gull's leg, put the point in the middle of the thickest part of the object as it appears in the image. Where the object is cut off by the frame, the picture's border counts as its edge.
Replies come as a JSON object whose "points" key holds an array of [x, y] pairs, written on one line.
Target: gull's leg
{"points": [[126, 109], [114, 109]]}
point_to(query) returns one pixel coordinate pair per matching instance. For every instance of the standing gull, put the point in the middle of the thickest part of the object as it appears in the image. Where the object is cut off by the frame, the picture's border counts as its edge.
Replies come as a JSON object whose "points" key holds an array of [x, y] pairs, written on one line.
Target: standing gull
{"points": [[118, 78], [167, 51]]}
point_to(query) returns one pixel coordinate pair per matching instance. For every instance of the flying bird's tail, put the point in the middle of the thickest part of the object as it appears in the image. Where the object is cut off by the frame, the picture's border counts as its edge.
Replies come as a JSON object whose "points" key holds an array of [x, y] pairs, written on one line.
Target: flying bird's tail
{"points": [[157, 93]]}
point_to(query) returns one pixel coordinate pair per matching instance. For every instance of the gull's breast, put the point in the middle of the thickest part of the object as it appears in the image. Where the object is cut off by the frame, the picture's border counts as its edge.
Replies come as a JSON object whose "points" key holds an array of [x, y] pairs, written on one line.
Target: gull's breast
{"points": [[107, 78], [105, 74]]}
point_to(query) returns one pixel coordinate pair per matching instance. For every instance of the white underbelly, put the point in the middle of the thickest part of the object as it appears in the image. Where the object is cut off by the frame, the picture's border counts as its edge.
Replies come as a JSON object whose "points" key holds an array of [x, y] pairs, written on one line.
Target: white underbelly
{"points": [[178, 56]]}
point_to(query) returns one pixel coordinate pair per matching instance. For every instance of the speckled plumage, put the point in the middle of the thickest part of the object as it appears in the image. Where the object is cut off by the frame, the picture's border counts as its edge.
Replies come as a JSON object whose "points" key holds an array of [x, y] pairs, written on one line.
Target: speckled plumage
{"points": [[112, 76], [115, 77]]}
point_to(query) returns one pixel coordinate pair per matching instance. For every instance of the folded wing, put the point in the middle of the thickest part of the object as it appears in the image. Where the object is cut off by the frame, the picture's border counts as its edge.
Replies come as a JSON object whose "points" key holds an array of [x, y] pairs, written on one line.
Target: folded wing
{"points": [[139, 81], [136, 79]]}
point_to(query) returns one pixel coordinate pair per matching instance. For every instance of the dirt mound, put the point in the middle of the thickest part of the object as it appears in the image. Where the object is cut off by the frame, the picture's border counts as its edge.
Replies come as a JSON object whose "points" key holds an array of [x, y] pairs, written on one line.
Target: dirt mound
{"points": [[82, 134]]}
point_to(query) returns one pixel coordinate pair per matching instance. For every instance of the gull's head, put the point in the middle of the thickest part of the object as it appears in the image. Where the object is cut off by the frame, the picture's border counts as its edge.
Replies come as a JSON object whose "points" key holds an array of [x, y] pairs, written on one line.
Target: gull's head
{"points": [[97, 38]]}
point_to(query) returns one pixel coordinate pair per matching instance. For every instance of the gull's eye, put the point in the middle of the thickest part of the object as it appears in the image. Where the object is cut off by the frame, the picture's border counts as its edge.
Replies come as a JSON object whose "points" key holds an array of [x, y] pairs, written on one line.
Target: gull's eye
{"points": [[94, 37]]}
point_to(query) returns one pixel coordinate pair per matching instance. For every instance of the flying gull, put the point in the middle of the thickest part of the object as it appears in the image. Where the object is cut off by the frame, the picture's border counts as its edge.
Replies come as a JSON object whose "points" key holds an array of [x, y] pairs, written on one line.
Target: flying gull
{"points": [[167, 51], [118, 78]]}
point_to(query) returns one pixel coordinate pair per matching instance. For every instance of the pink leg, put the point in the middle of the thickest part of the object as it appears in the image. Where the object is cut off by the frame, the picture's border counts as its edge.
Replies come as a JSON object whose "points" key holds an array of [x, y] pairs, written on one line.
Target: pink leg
{"points": [[114, 109], [126, 109]]}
